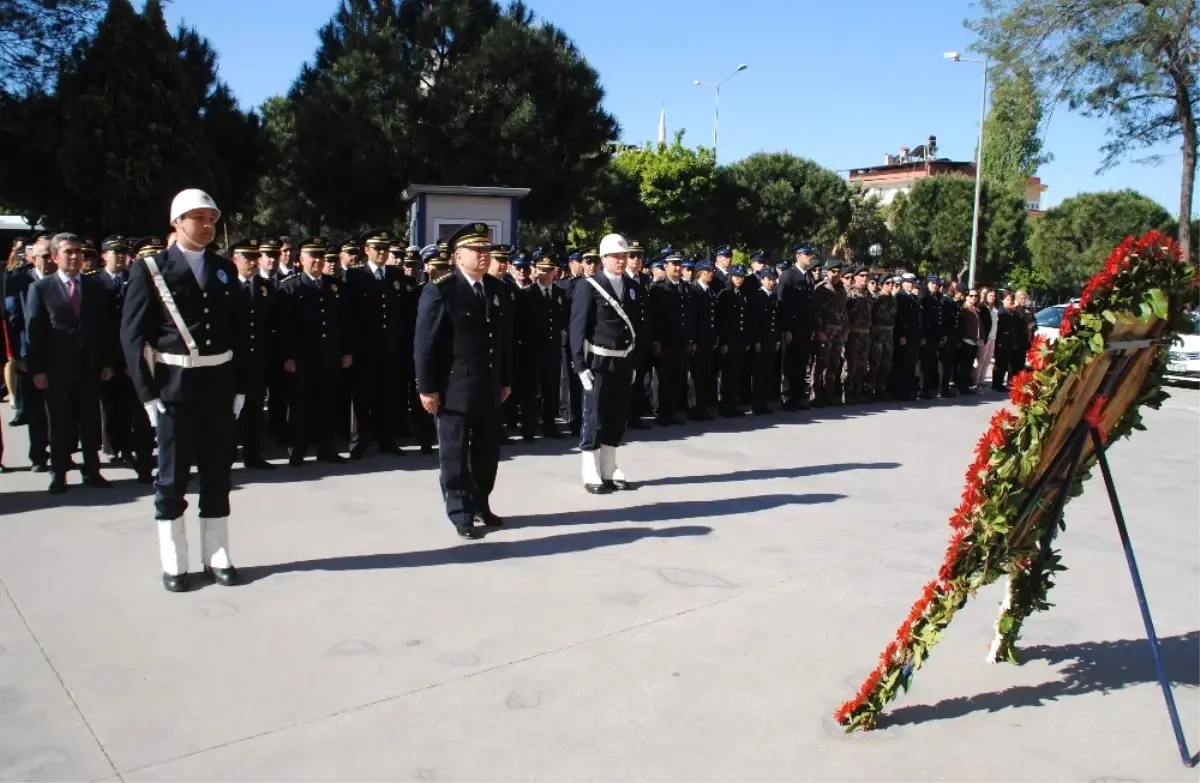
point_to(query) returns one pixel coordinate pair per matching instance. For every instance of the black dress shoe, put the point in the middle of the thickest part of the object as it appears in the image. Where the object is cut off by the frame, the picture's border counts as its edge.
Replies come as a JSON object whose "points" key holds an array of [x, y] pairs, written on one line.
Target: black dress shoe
{"points": [[638, 425], [177, 584], [598, 489], [41, 467], [20, 420], [356, 453], [426, 448], [223, 576], [58, 484], [96, 481], [332, 457], [391, 448], [296, 461], [467, 530], [488, 519], [259, 464], [620, 484], [552, 434], [145, 477]]}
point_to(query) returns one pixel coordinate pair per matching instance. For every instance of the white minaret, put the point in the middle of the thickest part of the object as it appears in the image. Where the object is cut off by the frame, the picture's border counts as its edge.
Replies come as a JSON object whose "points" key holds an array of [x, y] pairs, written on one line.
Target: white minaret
{"points": [[662, 124]]}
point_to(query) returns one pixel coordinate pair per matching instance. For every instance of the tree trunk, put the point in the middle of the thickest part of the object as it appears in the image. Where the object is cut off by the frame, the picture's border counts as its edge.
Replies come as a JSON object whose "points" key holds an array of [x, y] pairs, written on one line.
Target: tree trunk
{"points": [[1188, 178]]}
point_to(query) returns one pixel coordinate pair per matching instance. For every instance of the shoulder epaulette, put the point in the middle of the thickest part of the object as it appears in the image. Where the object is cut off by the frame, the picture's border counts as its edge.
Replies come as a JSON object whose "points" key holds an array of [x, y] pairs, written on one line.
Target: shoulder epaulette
{"points": [[445, 279]]}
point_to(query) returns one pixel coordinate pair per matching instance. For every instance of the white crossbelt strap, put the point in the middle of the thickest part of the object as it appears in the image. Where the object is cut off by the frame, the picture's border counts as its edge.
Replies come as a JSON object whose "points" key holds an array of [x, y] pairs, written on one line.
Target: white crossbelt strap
{"points": [[611, 352], [193, 358]]}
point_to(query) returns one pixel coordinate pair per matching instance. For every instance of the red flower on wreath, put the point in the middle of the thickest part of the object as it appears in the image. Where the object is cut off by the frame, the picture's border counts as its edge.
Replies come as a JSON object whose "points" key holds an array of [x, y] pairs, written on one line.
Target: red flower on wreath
{"points": [[1024, 388], [1094, 415], [1038, 348]]}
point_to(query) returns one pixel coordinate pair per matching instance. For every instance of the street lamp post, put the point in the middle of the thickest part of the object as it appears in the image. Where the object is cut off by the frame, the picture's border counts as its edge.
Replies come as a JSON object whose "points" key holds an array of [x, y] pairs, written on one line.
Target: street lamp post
{"points": [[958, 58], [717, 102]]}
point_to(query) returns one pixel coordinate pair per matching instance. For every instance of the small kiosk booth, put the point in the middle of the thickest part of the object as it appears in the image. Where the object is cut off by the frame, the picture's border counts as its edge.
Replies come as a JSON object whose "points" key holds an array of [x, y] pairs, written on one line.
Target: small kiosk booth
{"points": [[437, 211]]}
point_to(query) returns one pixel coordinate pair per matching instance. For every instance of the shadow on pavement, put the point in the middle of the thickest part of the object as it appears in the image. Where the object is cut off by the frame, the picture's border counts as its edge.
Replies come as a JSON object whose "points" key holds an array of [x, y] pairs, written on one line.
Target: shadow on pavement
{"points": [[769, 473], [477, 552], [1094, 667], [671, 510]]}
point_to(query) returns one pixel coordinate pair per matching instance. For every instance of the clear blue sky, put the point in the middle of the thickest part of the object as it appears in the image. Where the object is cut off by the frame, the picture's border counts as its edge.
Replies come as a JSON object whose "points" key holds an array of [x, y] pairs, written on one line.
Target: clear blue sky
{"points": [[840, 82]]}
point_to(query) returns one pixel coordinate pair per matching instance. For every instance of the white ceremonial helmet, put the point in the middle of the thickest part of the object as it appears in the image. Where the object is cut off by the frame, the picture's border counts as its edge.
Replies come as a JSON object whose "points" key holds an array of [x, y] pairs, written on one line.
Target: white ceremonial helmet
{"points": [[613, 243], [192, 198]]}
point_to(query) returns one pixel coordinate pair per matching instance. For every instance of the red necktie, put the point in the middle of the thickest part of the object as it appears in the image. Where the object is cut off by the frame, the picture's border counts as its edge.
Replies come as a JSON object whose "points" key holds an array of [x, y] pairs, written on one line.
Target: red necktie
{"points": [[73, 293]]}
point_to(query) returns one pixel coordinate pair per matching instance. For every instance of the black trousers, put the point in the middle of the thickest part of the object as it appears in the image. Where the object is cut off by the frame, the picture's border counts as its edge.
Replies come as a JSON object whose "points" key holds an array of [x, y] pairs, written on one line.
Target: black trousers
{"points": [[278, 384], [468, 455], [376, 399], [930, 364], [797, 355], [964, 375], [312, 387], [1002, 366], [730, 366], [539, 390], [200, 434], [671, 368], [763, 382], [903, 380], [34, 401], [1016, 358], [639, 399], [704, 380], [73, 415], [949, 362], [250, 422], [606, 406]]}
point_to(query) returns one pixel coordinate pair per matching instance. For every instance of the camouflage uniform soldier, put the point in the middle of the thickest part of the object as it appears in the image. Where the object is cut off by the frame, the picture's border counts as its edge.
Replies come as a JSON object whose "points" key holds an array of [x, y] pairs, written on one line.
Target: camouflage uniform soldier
{"points": [[858, 339], [883, 321], [829, 305]]}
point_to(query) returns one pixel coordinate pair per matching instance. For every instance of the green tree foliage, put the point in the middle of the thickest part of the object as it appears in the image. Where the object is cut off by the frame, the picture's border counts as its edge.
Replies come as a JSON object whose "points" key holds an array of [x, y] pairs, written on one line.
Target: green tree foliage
{"points": [[34, 34], [455, 92], [777, 199], [1071, 241], [867, 226], [1012, 143], [1134, 62], [137, 115], [675, 189], [932, 229]]}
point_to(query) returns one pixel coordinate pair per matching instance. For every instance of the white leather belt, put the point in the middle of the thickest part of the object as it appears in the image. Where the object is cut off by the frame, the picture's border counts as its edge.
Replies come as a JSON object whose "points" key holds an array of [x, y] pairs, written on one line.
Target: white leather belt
{"points": [[189, 362], [611, 353]]}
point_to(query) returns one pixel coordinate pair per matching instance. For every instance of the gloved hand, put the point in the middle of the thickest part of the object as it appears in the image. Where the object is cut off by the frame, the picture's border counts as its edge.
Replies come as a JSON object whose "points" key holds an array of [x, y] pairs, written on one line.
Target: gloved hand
{"points": [[587, 380], [153, 408], [239, 400]]}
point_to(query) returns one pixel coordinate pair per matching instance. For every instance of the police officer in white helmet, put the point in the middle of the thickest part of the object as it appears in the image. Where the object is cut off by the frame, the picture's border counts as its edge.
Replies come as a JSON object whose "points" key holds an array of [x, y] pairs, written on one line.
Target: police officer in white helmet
{"points": [[178, 334], [605, 311]]}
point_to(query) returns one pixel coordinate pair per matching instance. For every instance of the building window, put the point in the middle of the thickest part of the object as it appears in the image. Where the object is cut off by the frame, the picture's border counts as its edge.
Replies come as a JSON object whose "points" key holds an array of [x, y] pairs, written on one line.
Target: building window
{"points": [[444, 227], [1035, 206]]}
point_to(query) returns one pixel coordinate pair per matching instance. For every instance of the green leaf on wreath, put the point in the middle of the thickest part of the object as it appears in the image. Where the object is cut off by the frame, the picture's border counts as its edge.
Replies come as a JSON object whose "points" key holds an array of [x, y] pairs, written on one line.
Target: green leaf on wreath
{"points": [[1097, 343], [1158, 302]]}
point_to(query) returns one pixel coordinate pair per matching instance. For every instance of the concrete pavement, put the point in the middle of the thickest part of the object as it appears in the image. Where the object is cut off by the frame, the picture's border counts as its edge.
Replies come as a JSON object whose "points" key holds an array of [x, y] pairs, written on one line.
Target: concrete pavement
{"points": [[701, 628]]}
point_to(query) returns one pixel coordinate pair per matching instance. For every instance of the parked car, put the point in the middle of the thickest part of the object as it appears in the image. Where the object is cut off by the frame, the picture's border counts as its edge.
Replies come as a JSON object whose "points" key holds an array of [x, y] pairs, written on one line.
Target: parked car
{"points": [[1183, 361], [1049, 320]]}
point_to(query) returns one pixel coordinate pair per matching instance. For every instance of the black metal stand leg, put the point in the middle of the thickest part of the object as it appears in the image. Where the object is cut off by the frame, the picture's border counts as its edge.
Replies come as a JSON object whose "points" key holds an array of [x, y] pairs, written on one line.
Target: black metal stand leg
{"points": [[1115, 502]]}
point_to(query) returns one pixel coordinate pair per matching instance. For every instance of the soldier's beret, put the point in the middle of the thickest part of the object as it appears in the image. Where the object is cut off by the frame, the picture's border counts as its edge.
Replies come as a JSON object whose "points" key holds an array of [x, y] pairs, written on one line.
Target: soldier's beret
{"points": [[476, 235], [887, 280], [861, 270], [737, 271], [115, 242], [247, 246], [834, 266], [723, 250]]}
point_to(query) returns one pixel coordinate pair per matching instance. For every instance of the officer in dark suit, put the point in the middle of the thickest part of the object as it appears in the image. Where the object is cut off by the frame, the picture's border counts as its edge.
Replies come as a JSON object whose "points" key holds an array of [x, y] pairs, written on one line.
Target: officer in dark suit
{"points": [[277, 403], [671, 335], [567, 281], [605, 314], [179, 335], [795, 292], [256, 302], [463, 356], [437, 265], [128, 435], [377, 300], [721, 268], [732, 340], [70, 353], [932, 337], [765, 337], [639, 395], [498, 268], [315, 346], [542, 315], [16, 306]]}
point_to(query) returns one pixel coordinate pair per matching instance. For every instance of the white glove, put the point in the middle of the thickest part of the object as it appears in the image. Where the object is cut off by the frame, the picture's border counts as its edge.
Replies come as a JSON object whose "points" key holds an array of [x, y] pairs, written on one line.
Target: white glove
{"points": [[239, 400], [587, 380], [153, 408]]}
